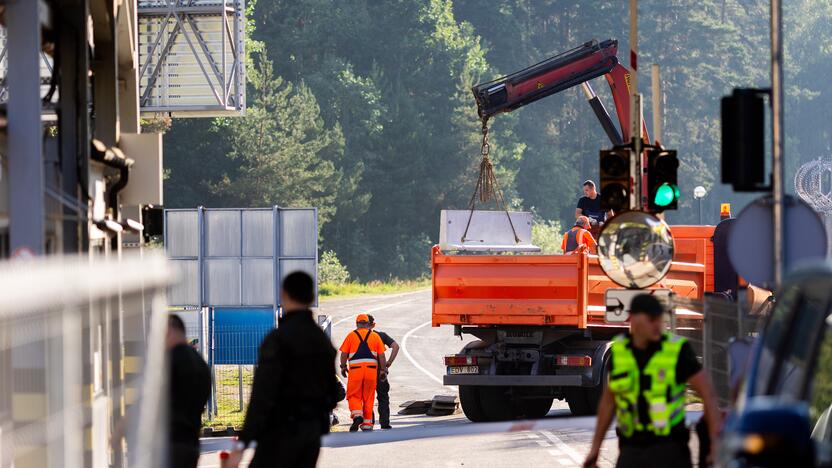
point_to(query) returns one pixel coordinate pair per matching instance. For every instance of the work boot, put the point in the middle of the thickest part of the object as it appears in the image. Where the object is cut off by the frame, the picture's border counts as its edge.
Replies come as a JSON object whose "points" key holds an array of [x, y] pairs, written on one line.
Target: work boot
{"points": [[386, 426], [367, 427], [356, 422]]}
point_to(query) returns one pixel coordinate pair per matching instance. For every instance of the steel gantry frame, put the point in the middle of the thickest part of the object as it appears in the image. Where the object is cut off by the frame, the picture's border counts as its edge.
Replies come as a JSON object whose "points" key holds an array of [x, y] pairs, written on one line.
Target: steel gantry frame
{"points": [[191, 57]]}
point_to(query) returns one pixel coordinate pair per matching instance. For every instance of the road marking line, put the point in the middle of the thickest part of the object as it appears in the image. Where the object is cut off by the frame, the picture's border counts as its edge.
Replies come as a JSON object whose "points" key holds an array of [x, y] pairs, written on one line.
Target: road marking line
{"points": [[565, 462], [569, 451], [532, 435], [555, 452], [543, 443], [374, 309], [413, 361]]}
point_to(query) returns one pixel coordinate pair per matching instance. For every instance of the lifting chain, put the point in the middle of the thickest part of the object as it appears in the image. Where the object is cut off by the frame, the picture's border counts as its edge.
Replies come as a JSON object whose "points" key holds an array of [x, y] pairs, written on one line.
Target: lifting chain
{"points": [[487, 186]]}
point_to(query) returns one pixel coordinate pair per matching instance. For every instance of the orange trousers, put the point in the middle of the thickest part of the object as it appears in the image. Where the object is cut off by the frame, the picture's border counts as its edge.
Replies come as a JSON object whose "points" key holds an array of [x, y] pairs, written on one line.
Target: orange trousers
{"points": [[361, 391]]}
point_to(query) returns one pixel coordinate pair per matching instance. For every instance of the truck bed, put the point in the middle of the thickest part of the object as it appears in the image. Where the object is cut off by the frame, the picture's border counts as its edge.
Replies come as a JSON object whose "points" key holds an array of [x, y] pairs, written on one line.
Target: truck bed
{"points": [[551, 290]]}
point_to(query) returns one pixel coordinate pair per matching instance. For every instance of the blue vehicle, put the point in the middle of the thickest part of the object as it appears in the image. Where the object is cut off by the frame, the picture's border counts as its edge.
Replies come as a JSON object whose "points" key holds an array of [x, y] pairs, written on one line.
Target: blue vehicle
{"points": [[782, 413]]}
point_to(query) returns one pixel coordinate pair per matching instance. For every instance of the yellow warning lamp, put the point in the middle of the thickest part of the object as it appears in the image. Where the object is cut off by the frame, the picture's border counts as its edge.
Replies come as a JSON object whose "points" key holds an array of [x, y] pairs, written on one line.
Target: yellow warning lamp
{"points": [[724, 211]]}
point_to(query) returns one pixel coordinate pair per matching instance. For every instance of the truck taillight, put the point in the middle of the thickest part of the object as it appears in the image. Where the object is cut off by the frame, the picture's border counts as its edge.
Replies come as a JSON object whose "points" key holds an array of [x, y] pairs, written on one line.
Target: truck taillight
{"points": [[577, 361], [460, 360]]}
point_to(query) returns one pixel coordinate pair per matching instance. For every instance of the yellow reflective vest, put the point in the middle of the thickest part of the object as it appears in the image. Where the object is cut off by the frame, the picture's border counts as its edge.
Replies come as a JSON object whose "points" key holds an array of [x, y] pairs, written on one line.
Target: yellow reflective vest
{"points": [[665, 398]]}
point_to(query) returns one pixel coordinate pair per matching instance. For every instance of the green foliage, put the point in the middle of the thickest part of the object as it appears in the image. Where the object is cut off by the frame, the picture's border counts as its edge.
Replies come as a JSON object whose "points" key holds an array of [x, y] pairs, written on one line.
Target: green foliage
{"points": [[547, 235], [330, 270], [333, 290], [363, 109]]}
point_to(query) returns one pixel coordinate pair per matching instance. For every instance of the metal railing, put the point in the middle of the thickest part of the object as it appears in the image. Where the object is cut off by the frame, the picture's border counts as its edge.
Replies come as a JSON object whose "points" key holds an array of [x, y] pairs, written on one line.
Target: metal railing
{"points": [[82, 362]]}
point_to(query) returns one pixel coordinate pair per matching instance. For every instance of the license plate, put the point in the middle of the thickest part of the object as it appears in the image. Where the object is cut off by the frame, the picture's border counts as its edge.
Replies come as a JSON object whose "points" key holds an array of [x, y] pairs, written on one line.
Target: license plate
{"points": [[464, 370]]}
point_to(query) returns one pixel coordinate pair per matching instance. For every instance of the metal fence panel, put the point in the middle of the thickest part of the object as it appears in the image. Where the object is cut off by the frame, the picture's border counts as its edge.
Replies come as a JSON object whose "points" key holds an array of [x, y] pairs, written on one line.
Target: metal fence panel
{"points": [[223, 233], [299, 233], [222, 281], [186, 289], [182, 233], [241, 255], [238, 333], [290, 265], [258, 282], [258, 233]]}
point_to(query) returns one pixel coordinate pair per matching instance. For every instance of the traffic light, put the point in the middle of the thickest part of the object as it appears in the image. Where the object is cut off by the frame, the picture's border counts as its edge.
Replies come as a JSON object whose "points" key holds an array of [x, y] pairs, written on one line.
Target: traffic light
{"points": [[662, 185], [615, 181], [743, 140]]}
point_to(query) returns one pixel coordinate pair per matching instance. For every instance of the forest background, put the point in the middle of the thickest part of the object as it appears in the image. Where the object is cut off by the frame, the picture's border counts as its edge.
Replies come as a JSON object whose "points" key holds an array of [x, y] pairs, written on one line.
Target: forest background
{"points": [[363, 109]]}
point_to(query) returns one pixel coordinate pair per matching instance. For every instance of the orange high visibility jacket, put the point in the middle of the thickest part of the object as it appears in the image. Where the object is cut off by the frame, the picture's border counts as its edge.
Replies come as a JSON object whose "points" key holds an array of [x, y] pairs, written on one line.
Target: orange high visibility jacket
{"points": [[576, 237], [362, 348]]}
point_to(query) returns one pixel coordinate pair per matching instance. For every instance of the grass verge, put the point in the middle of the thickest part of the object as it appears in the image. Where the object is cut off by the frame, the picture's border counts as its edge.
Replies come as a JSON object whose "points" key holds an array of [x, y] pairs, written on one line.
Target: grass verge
{"points": [[332, 290]]}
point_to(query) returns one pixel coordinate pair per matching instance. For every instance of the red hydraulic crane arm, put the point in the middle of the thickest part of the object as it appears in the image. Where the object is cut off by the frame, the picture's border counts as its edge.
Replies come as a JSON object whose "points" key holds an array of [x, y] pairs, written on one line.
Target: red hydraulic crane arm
{"points": [[575, 67]]}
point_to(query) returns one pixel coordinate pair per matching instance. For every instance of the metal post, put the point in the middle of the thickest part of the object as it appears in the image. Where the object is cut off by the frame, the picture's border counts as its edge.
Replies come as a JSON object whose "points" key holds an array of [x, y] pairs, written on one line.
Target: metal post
{"points": [[29, 378], [657, 104], [777, 136], [25, 130], [633, 48], [240, 385], [699, 202]]}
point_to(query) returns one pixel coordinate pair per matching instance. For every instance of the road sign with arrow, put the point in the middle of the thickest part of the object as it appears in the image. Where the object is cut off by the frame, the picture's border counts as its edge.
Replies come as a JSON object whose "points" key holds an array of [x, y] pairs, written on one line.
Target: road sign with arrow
{"points": [[618, 301]]}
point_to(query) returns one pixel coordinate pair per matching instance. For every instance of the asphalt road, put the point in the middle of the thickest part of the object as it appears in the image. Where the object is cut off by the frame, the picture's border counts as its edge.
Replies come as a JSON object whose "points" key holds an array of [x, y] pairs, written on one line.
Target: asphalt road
{"points": [[417, 375]]}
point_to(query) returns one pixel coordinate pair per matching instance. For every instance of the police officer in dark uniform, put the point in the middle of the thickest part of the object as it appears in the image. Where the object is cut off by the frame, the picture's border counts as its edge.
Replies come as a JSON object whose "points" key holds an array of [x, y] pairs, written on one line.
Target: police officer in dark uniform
{"points": [[648, 373], [294, 386]]}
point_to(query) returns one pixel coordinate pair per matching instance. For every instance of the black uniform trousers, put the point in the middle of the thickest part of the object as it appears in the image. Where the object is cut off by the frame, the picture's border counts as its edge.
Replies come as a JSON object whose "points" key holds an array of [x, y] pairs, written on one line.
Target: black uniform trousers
{"points": [[662, 454], [383, 393], [295, 445]]}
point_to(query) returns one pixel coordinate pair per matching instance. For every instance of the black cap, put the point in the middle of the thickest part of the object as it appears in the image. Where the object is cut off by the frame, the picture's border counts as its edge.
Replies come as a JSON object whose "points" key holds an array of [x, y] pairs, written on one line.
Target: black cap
{"points": [[646, 304], [372, 320]]}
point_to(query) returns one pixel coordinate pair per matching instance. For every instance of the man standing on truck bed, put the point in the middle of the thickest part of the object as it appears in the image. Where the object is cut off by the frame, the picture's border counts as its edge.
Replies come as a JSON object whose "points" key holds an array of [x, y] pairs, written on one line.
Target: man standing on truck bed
{"points": [[590, 206], [648, 372]]}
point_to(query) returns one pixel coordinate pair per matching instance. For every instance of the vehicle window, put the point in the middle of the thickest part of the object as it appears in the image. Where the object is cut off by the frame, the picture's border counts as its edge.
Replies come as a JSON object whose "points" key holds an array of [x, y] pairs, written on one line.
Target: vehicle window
{"points": [[773, 337], [808, 323], [820, 401]]}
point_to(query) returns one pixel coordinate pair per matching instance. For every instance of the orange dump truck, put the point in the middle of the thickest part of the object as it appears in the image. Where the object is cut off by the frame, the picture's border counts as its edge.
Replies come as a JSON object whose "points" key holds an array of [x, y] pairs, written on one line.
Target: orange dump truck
{"points": [[540, 323]]}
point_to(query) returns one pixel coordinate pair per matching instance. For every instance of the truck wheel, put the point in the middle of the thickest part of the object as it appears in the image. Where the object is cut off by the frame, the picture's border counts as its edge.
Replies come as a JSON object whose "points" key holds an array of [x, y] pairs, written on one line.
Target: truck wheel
{"points": [[469, 399], [578, 402], [496, 404], [534, 408]]}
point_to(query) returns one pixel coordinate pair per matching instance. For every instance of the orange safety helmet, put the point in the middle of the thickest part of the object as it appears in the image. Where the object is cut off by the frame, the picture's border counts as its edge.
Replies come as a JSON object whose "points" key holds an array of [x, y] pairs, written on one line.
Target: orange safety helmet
{"points": [[362, 318]]}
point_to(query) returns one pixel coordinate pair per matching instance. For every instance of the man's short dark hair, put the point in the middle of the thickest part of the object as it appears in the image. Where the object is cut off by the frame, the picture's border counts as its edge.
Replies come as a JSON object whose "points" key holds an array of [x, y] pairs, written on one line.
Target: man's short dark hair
{"points": [[300, 287], [646, 304], [589, 183], [372, 320], [175, 323]]}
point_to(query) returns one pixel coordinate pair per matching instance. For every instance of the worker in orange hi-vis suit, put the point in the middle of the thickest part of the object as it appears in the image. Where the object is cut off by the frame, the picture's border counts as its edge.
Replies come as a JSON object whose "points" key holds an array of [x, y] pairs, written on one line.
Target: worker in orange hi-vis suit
{"points": [[362, 359]]}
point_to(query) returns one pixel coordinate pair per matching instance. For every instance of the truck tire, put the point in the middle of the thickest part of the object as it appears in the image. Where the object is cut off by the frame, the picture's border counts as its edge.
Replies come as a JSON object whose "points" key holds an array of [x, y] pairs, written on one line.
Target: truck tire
{"points": [[535, 408], [578, 402], [583, 401], [496, 403], [469, 399]]}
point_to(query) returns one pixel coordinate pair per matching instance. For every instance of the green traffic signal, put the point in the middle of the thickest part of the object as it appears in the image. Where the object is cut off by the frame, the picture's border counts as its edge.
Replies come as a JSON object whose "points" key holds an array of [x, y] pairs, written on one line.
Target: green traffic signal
{"points": [[666, 194]]}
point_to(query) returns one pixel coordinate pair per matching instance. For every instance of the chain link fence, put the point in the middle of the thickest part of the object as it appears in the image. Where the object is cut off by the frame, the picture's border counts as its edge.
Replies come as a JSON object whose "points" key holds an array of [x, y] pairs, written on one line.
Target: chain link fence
{"points": [[229, 341], [717, 327]]}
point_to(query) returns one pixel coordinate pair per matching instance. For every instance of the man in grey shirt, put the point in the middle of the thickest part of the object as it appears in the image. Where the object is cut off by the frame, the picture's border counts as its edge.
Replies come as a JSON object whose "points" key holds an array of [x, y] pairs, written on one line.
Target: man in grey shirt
{"points": [[383, 386]]}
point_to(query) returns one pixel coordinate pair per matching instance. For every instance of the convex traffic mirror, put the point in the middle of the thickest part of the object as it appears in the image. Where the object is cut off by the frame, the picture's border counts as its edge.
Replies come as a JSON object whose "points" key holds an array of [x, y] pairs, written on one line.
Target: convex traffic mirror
{"points": [[635, 249]]}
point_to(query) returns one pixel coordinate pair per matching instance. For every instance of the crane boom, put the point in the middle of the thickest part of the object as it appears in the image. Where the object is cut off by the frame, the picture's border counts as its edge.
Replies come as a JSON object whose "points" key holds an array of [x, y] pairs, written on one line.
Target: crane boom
{"points": [[553, 75]]}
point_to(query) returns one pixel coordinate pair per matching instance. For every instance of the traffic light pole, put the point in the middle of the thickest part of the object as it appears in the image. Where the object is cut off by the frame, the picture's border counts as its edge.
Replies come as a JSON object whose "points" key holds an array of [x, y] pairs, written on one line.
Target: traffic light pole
{"points": [[777, 137], [636, 163]]}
